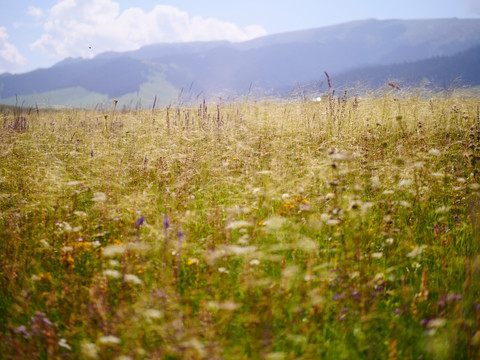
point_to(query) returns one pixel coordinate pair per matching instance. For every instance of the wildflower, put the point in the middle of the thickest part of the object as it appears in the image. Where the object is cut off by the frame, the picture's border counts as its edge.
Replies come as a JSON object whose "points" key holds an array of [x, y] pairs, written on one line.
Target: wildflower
{"points": [[22, 330], [442, 209], [274, 223], [238, 224], [192, 261], [377, 255], [113, 250], [435, 152], [153, 314], [109, 340], [333, 222], [437, 175], [166, 222], [436, 323], [417, 251], [114, 274], [474, 186], [114, 263], [330, 196], [139, 222], [275, 356], [405, 204], [63, 343], [99, 196], [96, 244], [45, 244], [133, 279], [307, 244], [89, 350], [254, 262], [72, 183], [223, 270], [404, 183], [229, 306]]}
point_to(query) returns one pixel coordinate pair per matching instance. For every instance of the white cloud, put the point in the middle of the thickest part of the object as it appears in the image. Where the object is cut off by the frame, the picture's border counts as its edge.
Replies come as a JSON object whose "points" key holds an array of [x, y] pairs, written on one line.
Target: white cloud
{"points": [[73, 26], [10, 57], [473, 6], [37, 13]]}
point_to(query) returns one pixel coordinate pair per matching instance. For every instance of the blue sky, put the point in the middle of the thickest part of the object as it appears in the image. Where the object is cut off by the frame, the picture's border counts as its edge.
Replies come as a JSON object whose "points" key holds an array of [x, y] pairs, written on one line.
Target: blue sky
{"points": [[39, 33]]}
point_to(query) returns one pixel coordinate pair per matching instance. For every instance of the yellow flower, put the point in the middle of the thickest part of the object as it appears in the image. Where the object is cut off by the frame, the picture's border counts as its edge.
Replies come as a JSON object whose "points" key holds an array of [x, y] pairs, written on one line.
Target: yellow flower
{"points": [[192, 261]]}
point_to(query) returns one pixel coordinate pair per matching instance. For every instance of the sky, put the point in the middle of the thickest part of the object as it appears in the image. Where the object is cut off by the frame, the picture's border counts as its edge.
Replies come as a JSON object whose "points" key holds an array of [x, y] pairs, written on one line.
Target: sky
{"points": [[38, 33]]}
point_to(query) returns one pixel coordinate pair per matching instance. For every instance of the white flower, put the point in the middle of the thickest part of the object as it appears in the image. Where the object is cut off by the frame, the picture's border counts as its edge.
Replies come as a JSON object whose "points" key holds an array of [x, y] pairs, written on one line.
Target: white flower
{"points": [[134, 279], [113, 250], [437, 175], [96, 244], [254, 262], [417, 251], [436, 323], [333, 222], [153, 314], [99, 196], [89, 350], [45, 244], [405, 183], [63, 343], [109, 340], [114, 263], [330, 196], [435, 152], [114, 274], [442, 209], [238, 224], [274, 223], [377, 255], [405, 204], [223, 270]]}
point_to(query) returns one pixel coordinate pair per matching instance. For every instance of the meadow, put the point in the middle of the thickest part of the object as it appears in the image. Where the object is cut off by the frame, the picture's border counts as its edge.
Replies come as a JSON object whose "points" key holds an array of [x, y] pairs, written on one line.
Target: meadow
{"points": [[346, 228]]}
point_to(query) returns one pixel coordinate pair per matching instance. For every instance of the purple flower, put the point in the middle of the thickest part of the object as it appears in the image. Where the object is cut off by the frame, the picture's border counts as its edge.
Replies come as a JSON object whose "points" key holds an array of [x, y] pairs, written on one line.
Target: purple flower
{"points": [[355, 293], [22, 330], [397, 312], [166, 222], [425, 321], [336, 297], [139, 222]]}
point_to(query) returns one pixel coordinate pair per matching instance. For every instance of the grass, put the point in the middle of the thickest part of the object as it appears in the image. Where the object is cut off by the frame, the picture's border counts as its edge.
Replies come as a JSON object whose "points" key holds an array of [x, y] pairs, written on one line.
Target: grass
{"points": [[341, 229]]}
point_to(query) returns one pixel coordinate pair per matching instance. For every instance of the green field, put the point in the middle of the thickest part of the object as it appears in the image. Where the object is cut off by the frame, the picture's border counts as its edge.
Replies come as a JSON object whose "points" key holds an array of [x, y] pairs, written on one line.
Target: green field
{"points": [[342, 229]]}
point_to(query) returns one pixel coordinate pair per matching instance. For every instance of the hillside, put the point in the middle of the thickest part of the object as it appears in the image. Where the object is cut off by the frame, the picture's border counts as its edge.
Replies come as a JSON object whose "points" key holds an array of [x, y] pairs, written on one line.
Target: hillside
{"points": [[207, 69]]}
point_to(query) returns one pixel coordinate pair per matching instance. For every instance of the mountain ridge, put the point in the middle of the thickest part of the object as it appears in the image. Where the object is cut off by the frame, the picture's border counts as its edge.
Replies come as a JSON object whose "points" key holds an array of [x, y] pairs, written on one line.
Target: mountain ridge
{"points": [[267, 63]]}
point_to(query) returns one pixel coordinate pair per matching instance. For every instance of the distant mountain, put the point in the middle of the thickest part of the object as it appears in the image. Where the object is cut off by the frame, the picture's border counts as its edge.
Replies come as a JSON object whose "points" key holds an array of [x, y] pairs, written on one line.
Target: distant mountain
{"points": [[441, 72], [206, 69]]}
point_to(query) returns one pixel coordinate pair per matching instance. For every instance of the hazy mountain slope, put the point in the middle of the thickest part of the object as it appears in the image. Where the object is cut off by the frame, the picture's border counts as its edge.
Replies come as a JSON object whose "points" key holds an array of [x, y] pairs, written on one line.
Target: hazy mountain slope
{"points": [[112, 77], [442, 71], [270, 62]]}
